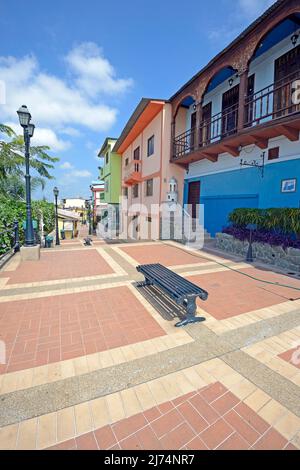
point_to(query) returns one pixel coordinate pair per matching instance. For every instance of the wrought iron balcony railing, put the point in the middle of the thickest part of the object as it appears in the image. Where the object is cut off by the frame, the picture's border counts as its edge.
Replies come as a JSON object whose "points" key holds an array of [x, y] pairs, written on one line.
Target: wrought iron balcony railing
{"points": [[271, 103]]}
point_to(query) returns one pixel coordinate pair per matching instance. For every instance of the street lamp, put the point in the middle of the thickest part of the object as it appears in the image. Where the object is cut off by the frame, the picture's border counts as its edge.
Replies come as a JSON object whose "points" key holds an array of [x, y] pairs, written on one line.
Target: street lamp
{"points": [[88, 208], [56, 193], [28, 130]]}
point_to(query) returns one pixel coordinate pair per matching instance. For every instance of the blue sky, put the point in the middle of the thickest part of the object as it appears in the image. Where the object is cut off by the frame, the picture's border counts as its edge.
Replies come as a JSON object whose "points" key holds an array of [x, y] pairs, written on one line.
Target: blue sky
{"points": [[82, 67]]}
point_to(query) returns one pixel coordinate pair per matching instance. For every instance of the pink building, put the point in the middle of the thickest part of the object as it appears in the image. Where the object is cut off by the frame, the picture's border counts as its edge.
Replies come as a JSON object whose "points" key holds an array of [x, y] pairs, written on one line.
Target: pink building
{"points": [[144, 146]]}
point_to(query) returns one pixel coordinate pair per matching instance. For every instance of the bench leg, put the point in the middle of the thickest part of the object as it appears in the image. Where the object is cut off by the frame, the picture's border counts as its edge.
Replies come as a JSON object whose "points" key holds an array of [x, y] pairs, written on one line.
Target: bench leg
{"points": [[145, 283], [191, 308]]}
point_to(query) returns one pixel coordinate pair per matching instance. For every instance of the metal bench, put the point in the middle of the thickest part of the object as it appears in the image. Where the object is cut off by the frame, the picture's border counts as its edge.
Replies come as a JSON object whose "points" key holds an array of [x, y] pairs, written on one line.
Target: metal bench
{"points": [[181, 290]]}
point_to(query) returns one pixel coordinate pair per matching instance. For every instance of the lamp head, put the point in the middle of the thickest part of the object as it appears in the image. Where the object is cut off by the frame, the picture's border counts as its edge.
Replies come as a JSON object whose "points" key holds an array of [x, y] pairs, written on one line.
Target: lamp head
{"points": [[24, 116]]}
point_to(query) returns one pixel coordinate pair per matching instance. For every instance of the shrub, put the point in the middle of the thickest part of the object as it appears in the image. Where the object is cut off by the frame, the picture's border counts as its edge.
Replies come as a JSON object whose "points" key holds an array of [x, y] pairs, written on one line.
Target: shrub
{"points": [[280, 220], [263, 236]]}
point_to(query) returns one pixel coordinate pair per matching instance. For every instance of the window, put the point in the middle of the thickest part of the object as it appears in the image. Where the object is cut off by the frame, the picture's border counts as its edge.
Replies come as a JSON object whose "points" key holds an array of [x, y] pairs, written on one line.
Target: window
{"points": [[106, 158], [136, 154], [149, 219], [273, 153], [149, 187], [125, 192], [106, 186], [126, 162], [150, 147], [135, 190]]}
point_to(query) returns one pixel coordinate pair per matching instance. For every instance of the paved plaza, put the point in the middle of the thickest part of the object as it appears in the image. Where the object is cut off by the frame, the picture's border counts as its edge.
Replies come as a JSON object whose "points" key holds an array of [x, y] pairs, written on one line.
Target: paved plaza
{"points": [[95, 362]]}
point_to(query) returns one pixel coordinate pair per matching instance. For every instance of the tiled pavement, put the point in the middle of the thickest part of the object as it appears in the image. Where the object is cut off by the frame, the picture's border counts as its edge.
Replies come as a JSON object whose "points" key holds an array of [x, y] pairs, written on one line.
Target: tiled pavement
{"points": [[117, 375]]}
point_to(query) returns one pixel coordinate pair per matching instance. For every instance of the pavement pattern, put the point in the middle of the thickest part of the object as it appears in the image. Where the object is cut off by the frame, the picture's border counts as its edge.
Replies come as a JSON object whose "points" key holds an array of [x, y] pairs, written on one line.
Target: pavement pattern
{"points": [[94, 362]]}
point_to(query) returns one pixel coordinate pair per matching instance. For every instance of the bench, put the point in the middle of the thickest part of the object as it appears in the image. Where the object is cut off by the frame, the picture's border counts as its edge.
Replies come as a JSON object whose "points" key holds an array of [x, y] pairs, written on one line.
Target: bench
{"points": [[181, 290]]}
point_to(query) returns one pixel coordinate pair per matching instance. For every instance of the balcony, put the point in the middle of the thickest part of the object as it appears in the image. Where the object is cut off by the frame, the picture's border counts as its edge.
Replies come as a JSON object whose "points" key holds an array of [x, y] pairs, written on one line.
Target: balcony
{"points": [[132, 173], [269, 113]]}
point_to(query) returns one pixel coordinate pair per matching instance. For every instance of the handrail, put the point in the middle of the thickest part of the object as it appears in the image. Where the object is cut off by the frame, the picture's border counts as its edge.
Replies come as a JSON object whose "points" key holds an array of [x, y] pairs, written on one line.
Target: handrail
{"points": [[271, 102], [11, 240]]}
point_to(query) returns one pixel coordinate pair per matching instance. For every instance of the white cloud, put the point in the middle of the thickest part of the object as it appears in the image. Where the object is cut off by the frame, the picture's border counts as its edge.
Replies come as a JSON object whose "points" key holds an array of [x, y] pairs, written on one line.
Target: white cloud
{"points": [[253, 8], [94, 73], [61, 104], [66, 166], [43, 136], [80, 174]]}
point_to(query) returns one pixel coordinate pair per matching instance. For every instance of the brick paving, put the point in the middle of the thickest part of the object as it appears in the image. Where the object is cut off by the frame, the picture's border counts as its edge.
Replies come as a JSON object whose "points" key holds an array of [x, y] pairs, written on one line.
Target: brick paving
{"points": [[164, 254], [207, 419], [232, 294], [60, 265], [208, 406], [292, 356], [50, 329]]}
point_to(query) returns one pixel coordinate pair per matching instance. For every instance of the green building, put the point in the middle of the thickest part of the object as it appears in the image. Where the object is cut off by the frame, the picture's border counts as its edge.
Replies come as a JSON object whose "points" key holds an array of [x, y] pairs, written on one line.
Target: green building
{"points": [[110, 173]]}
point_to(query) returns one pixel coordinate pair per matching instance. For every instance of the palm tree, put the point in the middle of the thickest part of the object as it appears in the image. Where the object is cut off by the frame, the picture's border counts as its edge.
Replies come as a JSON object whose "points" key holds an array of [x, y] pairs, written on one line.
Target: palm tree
{"points": [[12, 162]]}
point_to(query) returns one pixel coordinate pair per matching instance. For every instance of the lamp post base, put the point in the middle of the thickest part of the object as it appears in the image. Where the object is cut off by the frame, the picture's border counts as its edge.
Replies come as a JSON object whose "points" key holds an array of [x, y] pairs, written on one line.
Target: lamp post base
{"points": [[30, 253]]}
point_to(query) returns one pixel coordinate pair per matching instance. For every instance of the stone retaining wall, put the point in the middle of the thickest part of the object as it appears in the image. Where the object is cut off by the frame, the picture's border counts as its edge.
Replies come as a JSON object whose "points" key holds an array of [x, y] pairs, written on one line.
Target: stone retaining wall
{"points": [[288, 258]]}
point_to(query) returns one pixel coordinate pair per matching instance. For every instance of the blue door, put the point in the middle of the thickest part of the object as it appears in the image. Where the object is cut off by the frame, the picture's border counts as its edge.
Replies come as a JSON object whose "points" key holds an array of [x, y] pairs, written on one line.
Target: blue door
{"points": [[218, 208]]}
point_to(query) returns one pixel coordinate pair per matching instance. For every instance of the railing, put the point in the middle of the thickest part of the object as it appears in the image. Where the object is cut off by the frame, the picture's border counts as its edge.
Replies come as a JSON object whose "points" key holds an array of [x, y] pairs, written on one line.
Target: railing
{"points": [[134, 166], [270, 103], [219, 126], [9, 240]]}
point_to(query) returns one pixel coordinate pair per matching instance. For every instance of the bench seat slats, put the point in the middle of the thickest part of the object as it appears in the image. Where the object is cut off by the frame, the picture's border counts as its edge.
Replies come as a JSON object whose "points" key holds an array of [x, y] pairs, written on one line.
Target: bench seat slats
{"points": [[176, 285]]}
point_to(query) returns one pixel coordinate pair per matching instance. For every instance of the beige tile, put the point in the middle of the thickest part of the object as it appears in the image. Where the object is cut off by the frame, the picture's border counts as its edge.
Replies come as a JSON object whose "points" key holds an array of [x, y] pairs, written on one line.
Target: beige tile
{"points": [[65, 424], [131, 403], [115, 407], [105, 359], [8, 437], [27, 435], [100, 414], [80, 365], [257, 400], [54, 372], [9, 383], [46, 435], [184, 384], [243, 389], [158, 391], [272, 412], [83, 418], [231, 380], [40, 376], [117, 356], [171, 386], [296, 440], [145, 396], [194, 378], [93, 362], [25, 379], [288, 426], [67, 369]]}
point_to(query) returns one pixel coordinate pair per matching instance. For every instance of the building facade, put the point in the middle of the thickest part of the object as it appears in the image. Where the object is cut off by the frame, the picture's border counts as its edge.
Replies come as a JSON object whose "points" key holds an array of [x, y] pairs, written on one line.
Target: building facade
{"points": [[97, 188], [110, 172], [235, 125], [144, 146]]}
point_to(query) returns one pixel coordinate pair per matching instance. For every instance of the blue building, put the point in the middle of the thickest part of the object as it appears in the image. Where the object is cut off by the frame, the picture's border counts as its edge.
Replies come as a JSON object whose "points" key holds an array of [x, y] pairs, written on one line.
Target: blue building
{"points": [[243, 106]]}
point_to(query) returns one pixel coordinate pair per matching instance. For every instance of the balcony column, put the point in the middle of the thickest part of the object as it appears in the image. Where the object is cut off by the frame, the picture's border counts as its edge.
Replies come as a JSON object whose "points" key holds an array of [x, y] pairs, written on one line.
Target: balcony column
{"points": [[173, 150], [242, 98], [198, 124]]}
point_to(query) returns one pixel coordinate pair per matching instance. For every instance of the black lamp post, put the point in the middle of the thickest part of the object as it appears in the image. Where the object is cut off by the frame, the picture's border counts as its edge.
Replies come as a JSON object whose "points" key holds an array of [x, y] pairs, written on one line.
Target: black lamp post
{"points": [[56, 192], [28, 129], [91, 216], [88, 208]]}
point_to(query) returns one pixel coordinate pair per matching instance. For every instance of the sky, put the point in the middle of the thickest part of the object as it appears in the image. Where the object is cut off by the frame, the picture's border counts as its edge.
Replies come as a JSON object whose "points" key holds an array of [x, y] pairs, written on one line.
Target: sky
{"points": [[82, 67]]}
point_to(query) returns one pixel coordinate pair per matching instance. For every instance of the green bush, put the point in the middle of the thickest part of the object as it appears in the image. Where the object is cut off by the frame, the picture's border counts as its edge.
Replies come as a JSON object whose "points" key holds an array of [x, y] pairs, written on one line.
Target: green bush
{"points": [[285, 220], [11, 210]]}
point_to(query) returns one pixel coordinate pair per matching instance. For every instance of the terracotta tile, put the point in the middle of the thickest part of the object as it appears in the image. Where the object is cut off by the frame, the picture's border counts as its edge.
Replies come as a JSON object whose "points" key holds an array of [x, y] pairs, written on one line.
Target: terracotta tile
{"points": [[234, 442], [271, 440], [196, 444], [166, 423], [216, 434], [105, 437], [152, 414], [197, 423], [177, 438], [242, 427], [204, 409], [130, 443], [148, 439], [252, 418], [87, 442], [225, 403], [213, 391], [129, 426]]}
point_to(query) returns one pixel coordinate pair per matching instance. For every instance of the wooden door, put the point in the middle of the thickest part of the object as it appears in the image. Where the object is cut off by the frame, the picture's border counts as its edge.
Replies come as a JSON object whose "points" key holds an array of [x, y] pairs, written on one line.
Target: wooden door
{"points": [[193, 131], [194, 200], [230, 101], [286, 69], [205, 131], [249, 106]]}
